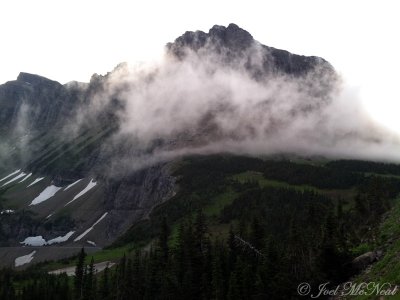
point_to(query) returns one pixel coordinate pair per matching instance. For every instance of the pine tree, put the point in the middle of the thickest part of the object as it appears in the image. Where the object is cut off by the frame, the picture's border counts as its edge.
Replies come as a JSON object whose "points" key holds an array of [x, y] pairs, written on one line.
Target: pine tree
{"points": [[232, 248], [163, 239], [234, 290], [7, 288], [89, 282], [257, 234], [129, 288], [104, 291], [120, 279], [137, 276], [218, 273], [79, 275]]}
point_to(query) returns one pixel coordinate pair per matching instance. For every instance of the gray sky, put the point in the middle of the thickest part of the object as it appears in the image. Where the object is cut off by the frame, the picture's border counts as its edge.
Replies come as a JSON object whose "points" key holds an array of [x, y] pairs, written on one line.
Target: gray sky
{"points": [[71, 40]]}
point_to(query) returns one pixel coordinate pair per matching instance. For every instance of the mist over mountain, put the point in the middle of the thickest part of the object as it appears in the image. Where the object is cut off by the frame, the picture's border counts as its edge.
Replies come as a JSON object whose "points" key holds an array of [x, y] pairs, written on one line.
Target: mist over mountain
{"points": [[212, 92], [224, 91], [215, 92]]}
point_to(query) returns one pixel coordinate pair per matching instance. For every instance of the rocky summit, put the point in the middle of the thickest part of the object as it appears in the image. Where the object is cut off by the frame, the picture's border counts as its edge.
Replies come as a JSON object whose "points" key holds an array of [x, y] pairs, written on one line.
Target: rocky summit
{"points": [[234, 41]]}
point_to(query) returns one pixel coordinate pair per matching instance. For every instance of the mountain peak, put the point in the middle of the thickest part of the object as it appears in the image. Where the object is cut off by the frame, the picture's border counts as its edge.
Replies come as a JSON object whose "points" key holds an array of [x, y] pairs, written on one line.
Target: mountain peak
{"points": [[34, 79], [234, 42], [232, 36]]}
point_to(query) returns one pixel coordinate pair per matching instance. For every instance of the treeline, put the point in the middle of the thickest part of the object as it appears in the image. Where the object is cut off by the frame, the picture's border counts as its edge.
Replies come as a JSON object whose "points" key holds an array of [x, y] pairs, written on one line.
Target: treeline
{"points": [[365, 167], [318, 176]]}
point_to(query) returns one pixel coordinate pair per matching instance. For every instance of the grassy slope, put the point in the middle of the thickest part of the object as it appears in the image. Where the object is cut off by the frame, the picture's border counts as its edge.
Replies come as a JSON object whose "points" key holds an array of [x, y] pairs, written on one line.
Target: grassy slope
{"points": [[103, 255], [387, 269]]}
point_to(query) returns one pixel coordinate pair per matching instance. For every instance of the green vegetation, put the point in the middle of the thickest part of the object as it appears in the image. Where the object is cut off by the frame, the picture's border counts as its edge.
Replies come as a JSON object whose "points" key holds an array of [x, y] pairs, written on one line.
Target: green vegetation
{"points": [[365, 167], [243, 228], [386, 270]]}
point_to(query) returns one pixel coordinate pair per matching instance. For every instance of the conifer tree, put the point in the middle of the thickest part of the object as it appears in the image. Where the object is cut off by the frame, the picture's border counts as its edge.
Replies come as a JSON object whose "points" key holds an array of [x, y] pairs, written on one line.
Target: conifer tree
{"points": [[79, 274], [89, 285], [104, 289]]}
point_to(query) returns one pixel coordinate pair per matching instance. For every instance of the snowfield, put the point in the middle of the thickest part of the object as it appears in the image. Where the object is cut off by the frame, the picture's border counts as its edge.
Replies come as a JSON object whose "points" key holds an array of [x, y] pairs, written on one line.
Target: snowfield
{"points": [[47, 193], [34, 241], [89, 229], [15, 178], [72, 184], [26, 259], [36, 181], [91, 185], [9, 175], [7, 211]]}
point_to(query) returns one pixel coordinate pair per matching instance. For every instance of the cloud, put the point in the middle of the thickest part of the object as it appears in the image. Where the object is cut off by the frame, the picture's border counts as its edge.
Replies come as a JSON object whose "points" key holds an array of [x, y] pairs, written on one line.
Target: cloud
{"points": [[210, 101]]}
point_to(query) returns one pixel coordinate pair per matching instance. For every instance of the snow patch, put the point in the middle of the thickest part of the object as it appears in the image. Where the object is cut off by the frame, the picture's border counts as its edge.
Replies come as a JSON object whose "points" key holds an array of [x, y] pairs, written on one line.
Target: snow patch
{"points": [[60, 239], [49, 215], [47, 193], [89, 229], [26, 177], [15, 178], [9, 175], [34, 241], [36, 181], [91, 243], [7, 211], [26, 259], [72, 184], [91, 185]]}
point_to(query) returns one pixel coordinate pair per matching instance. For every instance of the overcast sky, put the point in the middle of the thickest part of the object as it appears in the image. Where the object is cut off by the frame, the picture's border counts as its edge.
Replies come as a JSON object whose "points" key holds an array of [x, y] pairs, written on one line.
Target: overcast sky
{"points": [[71, 40]]}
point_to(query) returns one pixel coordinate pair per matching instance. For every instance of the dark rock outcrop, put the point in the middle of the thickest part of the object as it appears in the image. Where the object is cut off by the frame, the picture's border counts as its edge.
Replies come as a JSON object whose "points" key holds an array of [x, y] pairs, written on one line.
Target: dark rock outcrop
{"points": [[233, 42], [363, 261]]}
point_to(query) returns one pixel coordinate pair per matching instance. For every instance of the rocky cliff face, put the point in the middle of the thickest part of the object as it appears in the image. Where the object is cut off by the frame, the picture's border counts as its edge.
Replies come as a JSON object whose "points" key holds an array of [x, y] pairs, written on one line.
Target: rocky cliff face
{"points": [[37, 101]]}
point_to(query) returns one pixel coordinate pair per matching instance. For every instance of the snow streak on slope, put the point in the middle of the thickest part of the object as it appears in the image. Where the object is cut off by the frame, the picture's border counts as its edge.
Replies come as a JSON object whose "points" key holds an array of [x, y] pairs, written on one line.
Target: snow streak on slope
{"points": [[60, 239], [26, 259], [9, 175], [26, 177], [48, 192], [91, 185], [15, 178], [89, 229], [91, 243], [36, 181], [72, 184]]}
